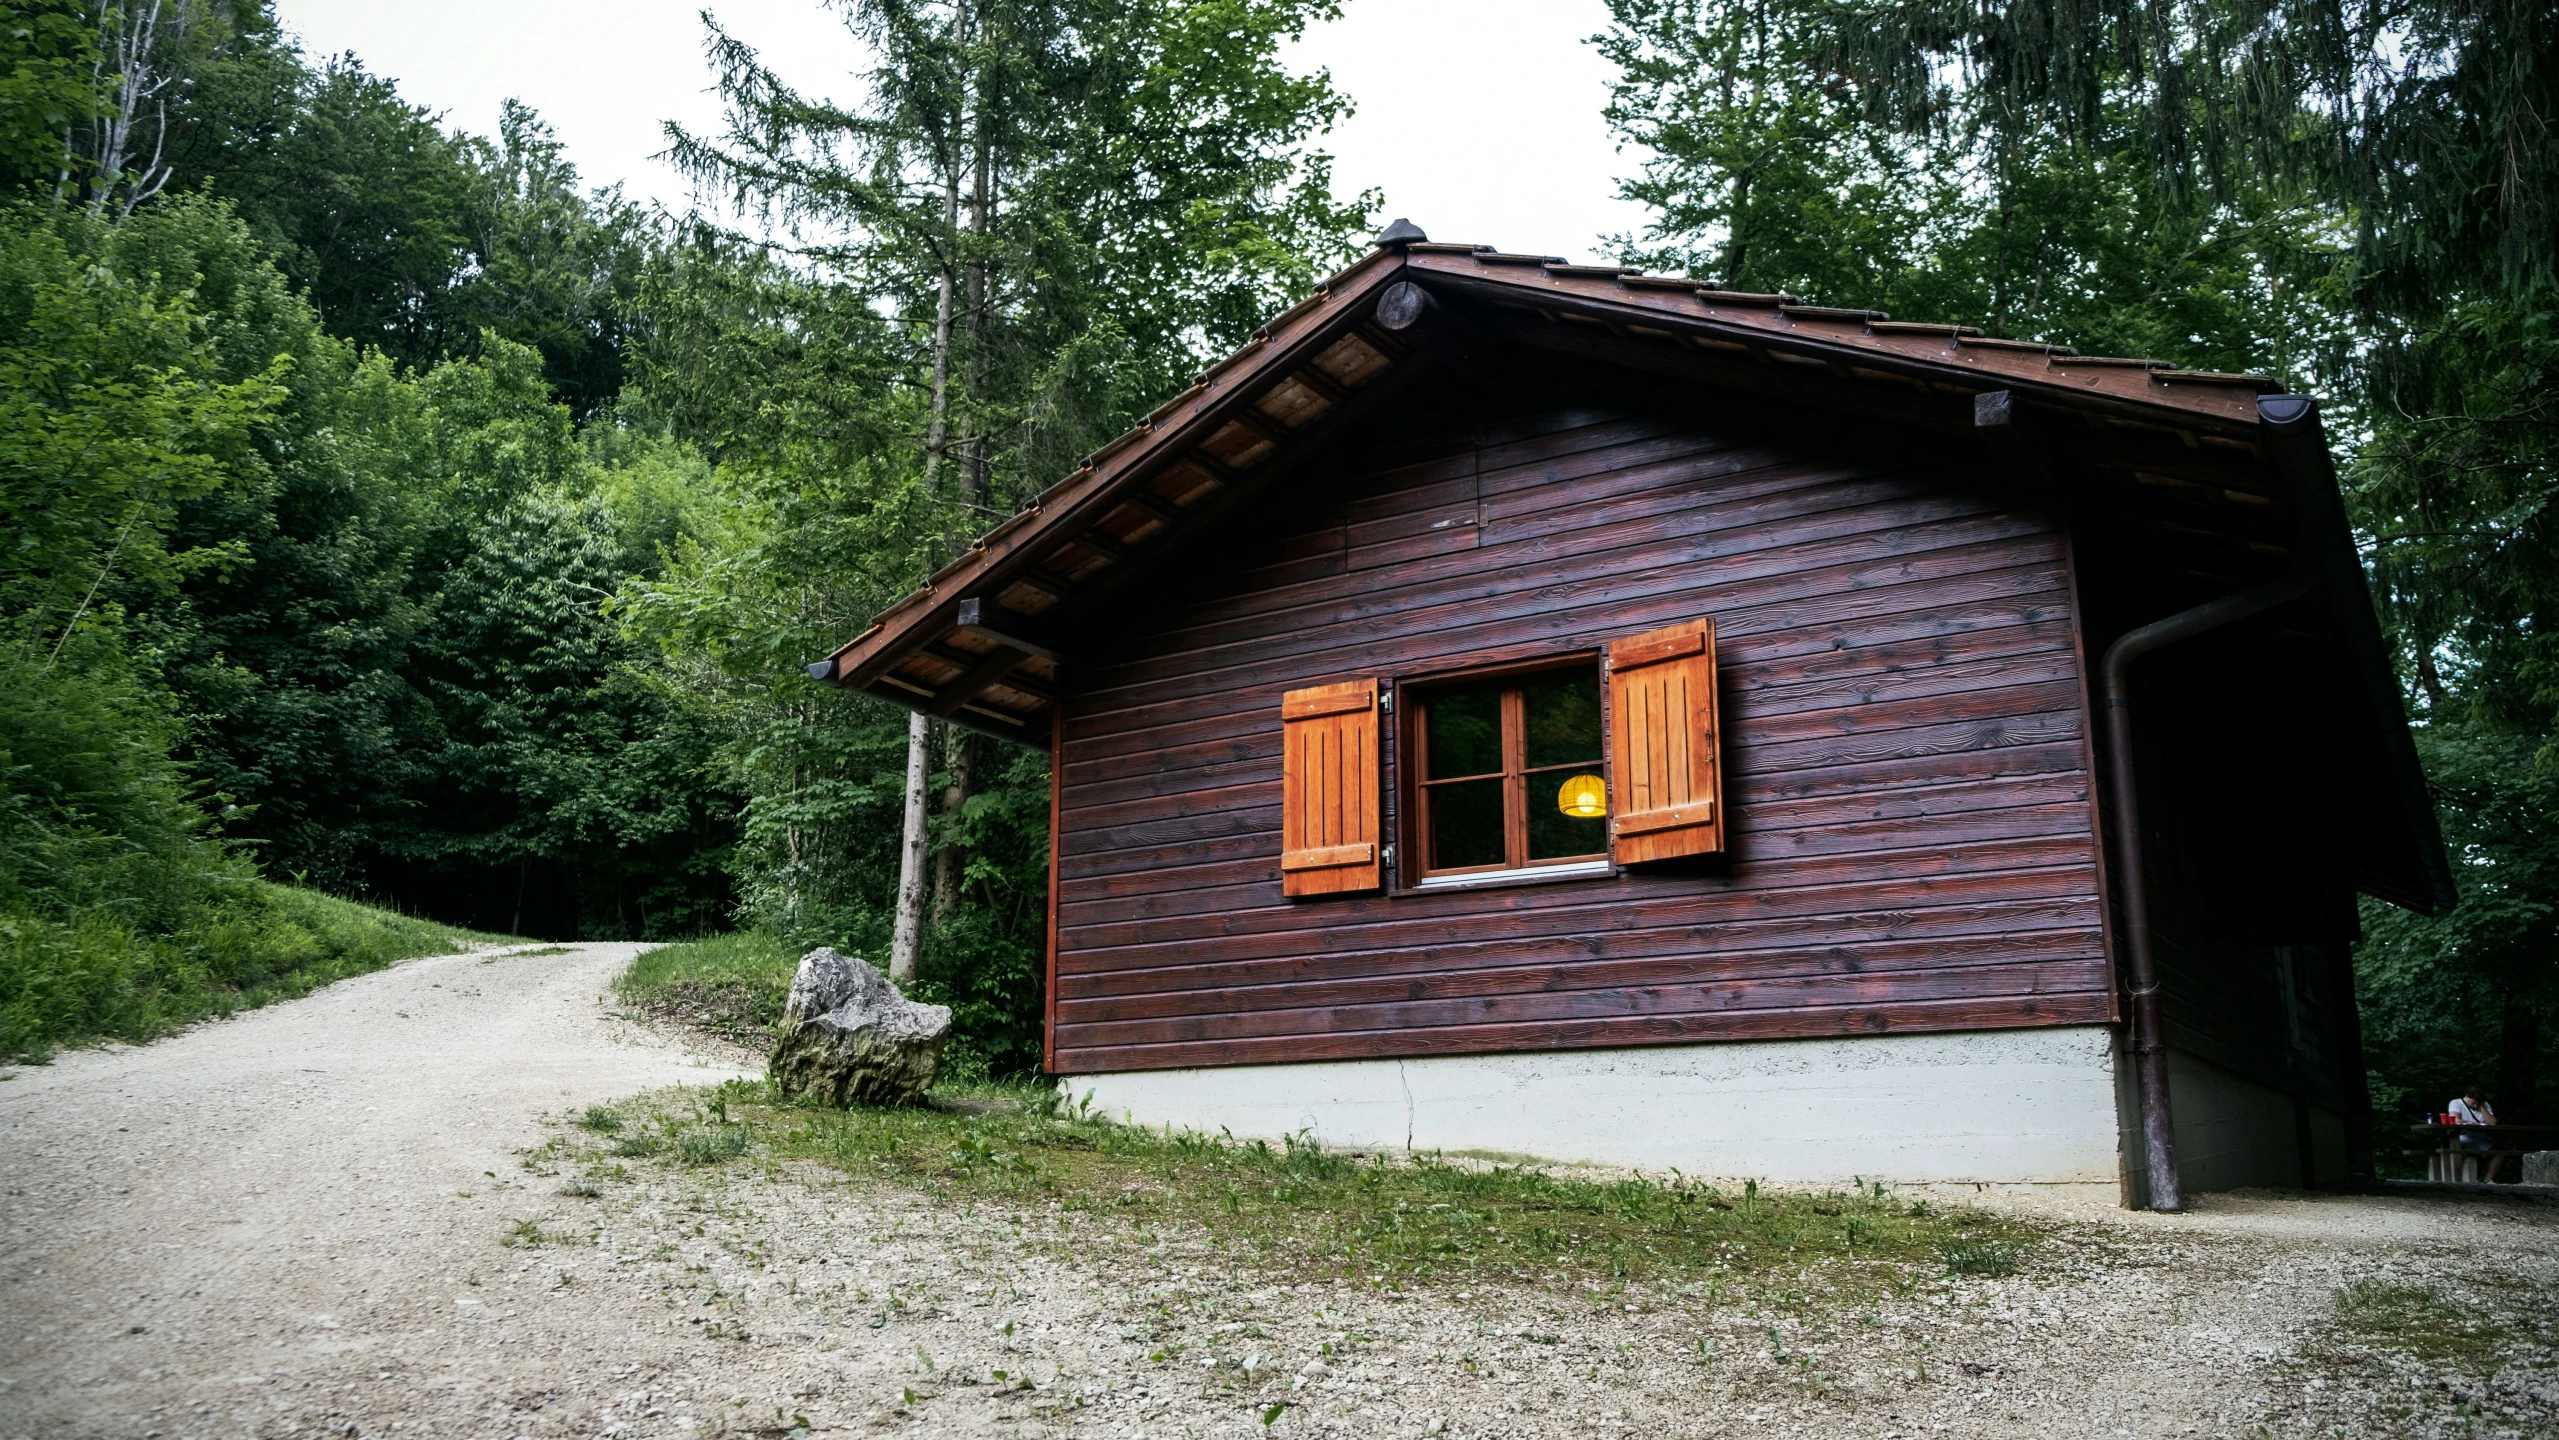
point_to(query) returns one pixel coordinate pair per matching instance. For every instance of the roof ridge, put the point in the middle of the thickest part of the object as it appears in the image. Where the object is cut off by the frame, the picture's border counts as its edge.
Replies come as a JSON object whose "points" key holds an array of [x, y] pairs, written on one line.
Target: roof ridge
{"points": [[1797, 307]]}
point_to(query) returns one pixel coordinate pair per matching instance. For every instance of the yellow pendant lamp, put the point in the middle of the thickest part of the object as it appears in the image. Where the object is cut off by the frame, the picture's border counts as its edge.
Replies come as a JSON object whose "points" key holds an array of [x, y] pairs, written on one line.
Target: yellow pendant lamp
{"points": [[1584, 797]]}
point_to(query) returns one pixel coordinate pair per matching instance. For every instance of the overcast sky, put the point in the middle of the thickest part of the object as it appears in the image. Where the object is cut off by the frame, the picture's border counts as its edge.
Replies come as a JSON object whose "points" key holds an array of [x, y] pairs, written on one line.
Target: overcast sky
{"points": [[1487, 132]]}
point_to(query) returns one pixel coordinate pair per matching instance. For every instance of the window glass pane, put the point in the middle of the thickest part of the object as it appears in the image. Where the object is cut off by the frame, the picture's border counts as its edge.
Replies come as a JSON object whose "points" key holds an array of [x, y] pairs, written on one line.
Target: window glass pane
{"points": [[1465, 732], [1554, 835], [1466, 824], [1563, 719]]}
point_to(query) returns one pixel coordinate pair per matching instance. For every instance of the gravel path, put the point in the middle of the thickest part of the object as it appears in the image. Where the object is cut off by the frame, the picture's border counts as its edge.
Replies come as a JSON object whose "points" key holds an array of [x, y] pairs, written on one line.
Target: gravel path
{"points": [[336, 1216]]}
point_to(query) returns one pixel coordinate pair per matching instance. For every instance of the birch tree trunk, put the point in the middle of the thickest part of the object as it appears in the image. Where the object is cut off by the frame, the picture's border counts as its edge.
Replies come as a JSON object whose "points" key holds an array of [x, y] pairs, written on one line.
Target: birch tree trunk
{"points": [[143, 74], [913, 840], [909, 937]]}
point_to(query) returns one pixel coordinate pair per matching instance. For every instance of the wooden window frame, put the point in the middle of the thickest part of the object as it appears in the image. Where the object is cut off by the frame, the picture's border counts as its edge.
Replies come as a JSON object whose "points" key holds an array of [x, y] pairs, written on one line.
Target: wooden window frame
{"points": [[1410, 760]]}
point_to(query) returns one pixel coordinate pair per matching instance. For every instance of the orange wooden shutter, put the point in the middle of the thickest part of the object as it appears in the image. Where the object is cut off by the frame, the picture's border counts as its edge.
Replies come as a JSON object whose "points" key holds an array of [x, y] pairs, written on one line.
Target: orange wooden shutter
{"points": [[1668, 770], [1329, 834]]}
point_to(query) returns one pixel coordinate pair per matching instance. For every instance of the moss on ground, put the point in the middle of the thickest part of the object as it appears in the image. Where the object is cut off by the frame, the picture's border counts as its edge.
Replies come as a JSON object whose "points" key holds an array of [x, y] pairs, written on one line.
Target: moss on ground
{"points": [[2422, 1322]]}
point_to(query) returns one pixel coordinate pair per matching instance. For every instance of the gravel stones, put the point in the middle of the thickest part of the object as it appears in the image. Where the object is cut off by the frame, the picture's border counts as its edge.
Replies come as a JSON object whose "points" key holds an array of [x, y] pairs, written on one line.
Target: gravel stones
{"points": [[848, 1035]]}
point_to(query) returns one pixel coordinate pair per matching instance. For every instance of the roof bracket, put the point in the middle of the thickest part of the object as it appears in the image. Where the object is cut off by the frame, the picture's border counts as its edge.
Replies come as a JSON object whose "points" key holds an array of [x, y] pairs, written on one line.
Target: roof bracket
{"points": [[1000, 627]]}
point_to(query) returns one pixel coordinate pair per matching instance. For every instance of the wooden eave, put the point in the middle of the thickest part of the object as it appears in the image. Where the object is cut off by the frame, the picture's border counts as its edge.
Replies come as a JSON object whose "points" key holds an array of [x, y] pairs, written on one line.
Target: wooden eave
{"points": [[1305, 375]]}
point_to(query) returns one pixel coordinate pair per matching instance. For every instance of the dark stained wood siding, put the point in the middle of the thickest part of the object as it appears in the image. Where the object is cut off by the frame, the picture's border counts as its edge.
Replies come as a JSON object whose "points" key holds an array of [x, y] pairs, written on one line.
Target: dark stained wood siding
{"points": [[1911, 842]]}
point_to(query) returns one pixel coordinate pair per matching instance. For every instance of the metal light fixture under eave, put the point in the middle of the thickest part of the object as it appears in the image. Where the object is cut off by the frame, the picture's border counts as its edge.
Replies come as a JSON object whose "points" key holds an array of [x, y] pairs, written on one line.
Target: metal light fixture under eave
{"points": [[1584, 797]]}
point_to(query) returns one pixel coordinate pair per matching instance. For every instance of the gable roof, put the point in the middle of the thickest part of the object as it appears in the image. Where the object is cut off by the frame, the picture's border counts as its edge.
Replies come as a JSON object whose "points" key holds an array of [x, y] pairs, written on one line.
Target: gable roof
{"points": [[977, 643], [2225, 478]]}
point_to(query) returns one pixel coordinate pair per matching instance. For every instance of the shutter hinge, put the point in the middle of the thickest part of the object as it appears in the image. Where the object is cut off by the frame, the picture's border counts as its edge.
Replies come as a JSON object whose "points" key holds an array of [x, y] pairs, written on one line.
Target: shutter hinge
{"points": [[1386, 856], [1386, 698]]}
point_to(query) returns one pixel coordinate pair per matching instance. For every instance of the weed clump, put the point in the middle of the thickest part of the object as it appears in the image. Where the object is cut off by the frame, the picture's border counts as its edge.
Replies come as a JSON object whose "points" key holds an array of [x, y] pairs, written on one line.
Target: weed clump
{"points": [[602, 1119], [712, 1145], [1975, 1256]]}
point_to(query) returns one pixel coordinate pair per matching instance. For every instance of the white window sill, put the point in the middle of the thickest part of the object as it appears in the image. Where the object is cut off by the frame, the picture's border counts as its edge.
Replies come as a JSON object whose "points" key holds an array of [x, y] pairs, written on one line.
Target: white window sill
{"points": [[1577, 870]]}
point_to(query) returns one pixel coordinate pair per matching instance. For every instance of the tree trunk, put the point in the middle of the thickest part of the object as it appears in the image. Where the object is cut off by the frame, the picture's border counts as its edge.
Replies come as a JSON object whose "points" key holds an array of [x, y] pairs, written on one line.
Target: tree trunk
{"points": [[973, 294], [908, 940], [2428, 677], [949, 862], [1736, 246], [937, 430]]}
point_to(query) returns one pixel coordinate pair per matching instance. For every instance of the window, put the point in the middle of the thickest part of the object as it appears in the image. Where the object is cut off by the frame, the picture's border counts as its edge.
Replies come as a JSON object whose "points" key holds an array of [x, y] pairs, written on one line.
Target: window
{"points": [[1505, 775]]}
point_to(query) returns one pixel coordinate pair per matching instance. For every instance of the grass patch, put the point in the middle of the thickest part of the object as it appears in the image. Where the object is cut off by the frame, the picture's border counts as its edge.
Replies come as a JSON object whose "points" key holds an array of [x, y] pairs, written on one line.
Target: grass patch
{"points": [[1294, 1208], [711, 1145], [2423, 1323], [731, 986], [1979, 1255], [249, 943]]}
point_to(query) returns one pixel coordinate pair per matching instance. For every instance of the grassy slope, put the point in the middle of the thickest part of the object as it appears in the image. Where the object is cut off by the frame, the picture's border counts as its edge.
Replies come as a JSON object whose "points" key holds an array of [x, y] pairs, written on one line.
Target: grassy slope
{"points": [[66, 984], [730, 985]]}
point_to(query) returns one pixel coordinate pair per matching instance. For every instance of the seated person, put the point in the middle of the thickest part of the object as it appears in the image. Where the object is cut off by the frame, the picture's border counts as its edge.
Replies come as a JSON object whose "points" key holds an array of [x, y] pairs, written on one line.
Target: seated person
{"points": [[2471, 1110]]}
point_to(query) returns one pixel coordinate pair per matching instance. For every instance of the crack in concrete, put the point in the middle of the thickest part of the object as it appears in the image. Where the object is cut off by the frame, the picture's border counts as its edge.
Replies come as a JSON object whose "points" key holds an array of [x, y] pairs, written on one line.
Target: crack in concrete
{"points": [[1408, 1106]]}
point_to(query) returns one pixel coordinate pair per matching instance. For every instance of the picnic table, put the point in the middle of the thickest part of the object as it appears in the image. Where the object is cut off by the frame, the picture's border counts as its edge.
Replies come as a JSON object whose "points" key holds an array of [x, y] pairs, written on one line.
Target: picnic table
{"points": [[2447, 1160]]}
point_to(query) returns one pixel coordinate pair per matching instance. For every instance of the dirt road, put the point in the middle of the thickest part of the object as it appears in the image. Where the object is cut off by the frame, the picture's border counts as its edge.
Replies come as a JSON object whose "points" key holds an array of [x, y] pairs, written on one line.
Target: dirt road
{"points": [[243, 1226], [336, 1216]]}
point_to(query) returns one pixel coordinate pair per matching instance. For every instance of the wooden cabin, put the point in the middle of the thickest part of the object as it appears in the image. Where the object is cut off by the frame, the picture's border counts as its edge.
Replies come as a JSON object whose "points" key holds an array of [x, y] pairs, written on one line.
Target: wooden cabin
{"points": [[1524, 708]]}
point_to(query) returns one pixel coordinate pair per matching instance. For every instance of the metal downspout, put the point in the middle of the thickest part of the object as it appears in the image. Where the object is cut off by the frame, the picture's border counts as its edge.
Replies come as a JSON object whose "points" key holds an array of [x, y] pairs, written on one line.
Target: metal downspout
{"points": [[2150, 1044]]}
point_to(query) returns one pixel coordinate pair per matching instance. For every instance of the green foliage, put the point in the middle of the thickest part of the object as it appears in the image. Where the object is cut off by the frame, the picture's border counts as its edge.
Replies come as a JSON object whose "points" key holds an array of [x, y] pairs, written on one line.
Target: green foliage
{"points": [[2460, 999], [2460, 491], [391, 623], [1783, 159], [49, 83], [709, 1145], [241, 546], [1975, 1255], [113, 410], [120, 912], [120, 916]]}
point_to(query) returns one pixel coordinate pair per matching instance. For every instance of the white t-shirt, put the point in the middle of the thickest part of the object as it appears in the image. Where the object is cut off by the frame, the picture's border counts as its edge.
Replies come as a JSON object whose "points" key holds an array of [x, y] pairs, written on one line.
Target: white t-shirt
{"points": [[2462, 1114]]}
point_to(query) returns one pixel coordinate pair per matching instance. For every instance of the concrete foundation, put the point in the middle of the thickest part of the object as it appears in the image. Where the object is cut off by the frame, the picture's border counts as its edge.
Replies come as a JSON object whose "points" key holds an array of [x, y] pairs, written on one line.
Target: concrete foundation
{"points": [[2006, 1106]]}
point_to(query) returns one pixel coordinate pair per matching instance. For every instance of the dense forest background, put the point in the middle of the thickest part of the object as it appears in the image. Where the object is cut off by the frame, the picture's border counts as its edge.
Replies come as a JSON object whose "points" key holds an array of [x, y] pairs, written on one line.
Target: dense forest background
{"points": [[388, 513]]}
